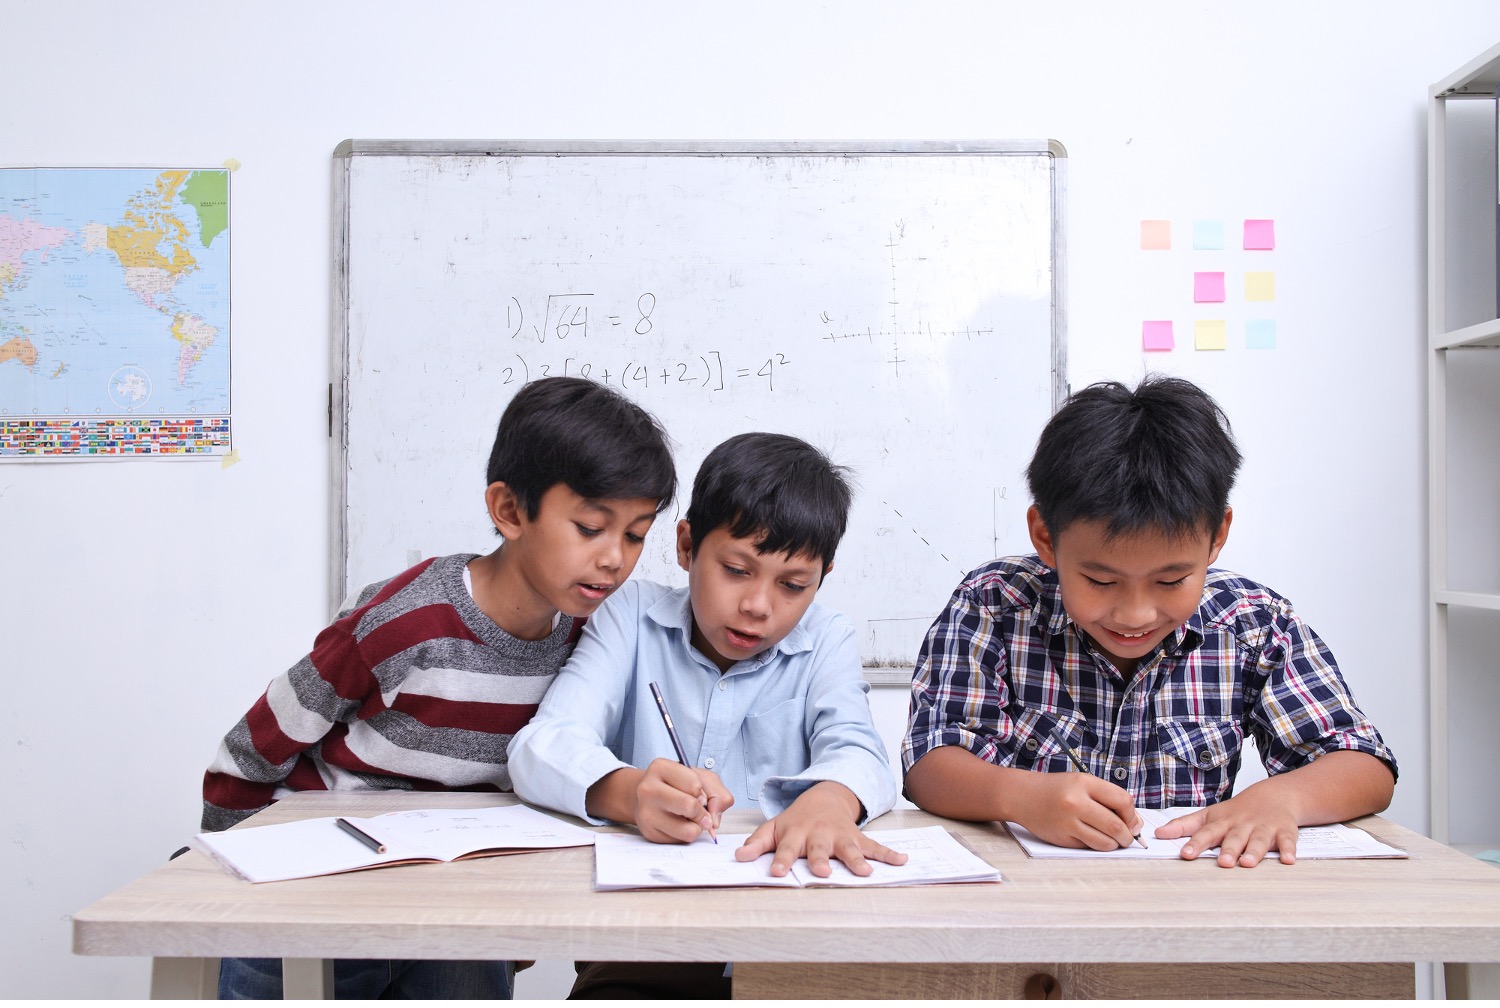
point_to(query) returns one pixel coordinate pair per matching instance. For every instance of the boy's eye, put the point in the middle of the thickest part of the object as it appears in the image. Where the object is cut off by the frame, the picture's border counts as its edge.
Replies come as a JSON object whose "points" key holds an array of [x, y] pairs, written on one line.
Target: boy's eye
{"points": [[1174, 584], [794, 587], [632, 537], [1097, 584], [586, 531], [736, 571]]}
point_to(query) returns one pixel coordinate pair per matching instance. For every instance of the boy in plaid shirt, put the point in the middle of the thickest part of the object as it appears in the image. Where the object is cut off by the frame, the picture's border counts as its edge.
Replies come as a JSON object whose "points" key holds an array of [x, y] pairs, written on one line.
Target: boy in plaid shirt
{"points": [[1119, 641]]}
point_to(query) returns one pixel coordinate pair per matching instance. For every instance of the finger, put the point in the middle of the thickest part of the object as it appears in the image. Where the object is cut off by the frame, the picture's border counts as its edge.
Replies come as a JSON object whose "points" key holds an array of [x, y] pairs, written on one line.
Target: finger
{"points": [[880, 852], [1232, 846], [1182, 826], [792, 846], [757, 843], [1255, 848], [1205, 836], [1106, 822], [1286, 843]]}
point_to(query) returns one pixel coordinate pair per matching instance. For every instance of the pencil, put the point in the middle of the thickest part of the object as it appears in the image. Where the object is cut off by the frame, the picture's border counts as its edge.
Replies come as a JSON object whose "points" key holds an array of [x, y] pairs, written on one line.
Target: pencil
{"points": [[1083, 768], [360, 835], [661, 705]]}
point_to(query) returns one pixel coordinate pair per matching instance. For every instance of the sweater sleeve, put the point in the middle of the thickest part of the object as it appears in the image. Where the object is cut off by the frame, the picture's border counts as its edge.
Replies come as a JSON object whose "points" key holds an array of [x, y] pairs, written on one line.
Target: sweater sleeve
{"points": [[298, 709]]}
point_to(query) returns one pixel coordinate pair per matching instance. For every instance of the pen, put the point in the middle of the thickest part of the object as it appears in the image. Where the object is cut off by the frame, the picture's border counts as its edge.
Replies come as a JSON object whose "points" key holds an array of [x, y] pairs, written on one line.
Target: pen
{"points": [[661, 705], [1083, 768], [360, 835]]}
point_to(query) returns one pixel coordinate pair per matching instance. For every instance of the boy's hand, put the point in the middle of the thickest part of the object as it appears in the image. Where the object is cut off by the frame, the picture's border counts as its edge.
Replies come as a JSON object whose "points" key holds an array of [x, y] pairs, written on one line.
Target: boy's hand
{"points": [[1080, 810], [1244, 828], [821, 824], [676, 803]]}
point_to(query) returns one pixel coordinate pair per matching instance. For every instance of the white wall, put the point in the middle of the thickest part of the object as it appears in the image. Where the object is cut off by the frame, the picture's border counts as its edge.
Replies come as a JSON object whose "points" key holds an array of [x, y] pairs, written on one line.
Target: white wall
{"points": [[143, 606]]}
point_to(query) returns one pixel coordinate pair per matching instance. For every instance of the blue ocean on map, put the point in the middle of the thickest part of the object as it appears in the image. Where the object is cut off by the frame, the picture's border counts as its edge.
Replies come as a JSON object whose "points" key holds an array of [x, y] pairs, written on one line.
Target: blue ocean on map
{"points": [[114, 292]]}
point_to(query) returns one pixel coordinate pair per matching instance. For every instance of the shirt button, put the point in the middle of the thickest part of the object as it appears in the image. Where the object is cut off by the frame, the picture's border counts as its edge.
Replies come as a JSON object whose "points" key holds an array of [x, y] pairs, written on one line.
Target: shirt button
{"points": [[723, 684], [1119, 773], [1205, 756], [1031, 744], [709, 763]]}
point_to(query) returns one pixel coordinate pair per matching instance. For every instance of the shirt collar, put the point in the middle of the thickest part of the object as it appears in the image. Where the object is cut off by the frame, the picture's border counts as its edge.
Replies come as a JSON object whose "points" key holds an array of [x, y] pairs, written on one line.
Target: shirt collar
{"points": [[674, 611]]}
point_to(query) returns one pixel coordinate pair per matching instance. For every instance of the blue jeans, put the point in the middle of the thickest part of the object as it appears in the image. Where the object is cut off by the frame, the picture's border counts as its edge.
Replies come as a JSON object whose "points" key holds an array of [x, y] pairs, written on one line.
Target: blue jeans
{"points": [[366, 979]]}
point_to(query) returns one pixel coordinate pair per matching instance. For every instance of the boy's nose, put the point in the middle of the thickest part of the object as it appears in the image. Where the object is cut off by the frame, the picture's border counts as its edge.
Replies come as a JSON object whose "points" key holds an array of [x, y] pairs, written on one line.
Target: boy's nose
{"points": [[755, 601]]}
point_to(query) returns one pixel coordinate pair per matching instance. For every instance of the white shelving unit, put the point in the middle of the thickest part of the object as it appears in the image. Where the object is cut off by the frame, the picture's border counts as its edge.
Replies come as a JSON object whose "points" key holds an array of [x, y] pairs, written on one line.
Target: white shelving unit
{"points": [[1463, 402], [1461, 229]]}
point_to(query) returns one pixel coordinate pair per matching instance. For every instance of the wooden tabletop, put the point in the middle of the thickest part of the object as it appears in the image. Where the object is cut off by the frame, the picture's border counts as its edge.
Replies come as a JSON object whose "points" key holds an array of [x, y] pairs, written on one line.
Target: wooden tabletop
{"points": [[1438, 905]]}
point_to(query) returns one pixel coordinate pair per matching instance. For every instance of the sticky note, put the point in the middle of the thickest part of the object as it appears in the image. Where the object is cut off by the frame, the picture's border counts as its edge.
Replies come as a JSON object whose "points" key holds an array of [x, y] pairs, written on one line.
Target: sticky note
{"points": [[229, 458], [1260, 234], [1260, 286], [1260, 334], [1156, 336], [1208, 234], [1210, 335], [1208, 287], [1156, 235]]}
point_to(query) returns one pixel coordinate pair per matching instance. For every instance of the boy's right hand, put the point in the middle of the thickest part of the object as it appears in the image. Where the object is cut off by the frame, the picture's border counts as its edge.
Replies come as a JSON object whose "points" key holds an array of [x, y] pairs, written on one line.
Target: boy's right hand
{"points": [[676, 803], [1081, 810]]}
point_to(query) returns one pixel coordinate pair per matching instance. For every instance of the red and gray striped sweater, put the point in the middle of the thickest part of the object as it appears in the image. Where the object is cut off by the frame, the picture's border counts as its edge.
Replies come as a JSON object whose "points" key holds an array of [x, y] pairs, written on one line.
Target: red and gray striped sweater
{"points": [[412, 687]]}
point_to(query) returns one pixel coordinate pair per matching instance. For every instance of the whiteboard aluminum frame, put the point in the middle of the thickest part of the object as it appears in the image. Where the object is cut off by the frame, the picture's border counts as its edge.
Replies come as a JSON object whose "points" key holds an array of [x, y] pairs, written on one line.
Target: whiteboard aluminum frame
{"points": [[347, 151]]}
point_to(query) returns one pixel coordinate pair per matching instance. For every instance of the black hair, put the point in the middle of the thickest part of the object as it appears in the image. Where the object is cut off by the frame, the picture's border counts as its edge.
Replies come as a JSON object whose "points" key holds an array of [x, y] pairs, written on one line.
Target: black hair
{"points": [[773, 484], [1161, 457], [578, 432]]}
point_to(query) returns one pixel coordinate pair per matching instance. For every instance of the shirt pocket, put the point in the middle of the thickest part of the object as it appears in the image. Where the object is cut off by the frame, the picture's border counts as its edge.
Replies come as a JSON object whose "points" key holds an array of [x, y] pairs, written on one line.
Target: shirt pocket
{"points": [[1041, 738], [1203, 755], [775, 744]]}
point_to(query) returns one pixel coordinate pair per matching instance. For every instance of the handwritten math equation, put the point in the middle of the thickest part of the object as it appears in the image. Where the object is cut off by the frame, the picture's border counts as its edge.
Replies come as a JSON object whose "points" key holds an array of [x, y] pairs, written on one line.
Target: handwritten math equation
{"points": [[703, 371], [566, 319]]}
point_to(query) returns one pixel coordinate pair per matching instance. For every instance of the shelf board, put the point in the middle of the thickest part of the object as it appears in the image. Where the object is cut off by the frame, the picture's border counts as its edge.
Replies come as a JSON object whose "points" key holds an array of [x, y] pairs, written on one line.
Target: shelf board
{"points": [[1484, 334], [1472, 600], [1480, 76]]}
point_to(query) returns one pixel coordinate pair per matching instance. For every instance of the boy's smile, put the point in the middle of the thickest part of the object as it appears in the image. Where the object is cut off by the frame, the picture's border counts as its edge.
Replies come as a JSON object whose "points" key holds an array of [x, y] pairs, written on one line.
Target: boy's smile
{"points": [[744, 602], [1127, 592]]}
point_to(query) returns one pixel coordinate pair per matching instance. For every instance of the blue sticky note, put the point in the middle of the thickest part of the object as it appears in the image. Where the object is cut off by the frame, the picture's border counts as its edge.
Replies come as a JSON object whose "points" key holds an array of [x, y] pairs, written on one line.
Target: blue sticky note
{"points": [[1260, 334], [1208, 234]]}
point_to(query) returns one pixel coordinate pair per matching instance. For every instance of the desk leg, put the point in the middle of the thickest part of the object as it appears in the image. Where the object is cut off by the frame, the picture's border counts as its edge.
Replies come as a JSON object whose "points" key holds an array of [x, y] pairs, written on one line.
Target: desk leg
{"points": [[1471, 981], [184, 979], [306, 979], [1073, 981]]}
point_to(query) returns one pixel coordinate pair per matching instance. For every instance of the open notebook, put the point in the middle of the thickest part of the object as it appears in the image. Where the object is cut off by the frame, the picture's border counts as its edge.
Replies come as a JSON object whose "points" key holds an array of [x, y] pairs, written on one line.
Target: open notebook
{"points": [[627, 861], [321, 847], [1313, 842]]}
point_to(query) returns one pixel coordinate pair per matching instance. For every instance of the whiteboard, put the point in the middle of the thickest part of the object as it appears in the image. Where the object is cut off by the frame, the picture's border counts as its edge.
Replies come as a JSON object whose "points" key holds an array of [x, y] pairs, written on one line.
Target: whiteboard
{"points": [[899, 308]]}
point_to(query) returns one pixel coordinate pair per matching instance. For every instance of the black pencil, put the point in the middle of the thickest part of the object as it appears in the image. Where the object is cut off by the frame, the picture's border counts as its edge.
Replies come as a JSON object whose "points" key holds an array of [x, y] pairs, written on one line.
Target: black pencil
{"points": [[661, 705]]}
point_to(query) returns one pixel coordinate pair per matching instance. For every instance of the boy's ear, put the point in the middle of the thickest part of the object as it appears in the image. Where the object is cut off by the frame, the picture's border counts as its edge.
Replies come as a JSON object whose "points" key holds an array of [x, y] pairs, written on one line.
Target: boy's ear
{"points": [[1220, 537], [684, 544], [1041, 537], [505, 510]]}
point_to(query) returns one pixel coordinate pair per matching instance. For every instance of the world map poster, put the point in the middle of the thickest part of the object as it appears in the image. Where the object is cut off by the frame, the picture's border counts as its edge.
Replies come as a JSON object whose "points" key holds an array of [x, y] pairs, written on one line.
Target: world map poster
{"points": [[114, 313]]}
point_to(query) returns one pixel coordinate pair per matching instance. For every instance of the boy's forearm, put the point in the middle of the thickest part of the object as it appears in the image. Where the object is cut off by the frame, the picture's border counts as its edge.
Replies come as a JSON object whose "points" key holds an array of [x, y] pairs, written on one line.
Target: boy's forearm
{"points": [[1335, 787], [833, 797], [951, 781], [613, 796]]}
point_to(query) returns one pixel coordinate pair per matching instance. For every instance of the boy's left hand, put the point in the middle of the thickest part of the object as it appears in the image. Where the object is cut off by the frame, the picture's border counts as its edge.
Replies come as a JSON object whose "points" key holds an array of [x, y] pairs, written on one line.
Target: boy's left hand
{"points": [[1244, 828], [819, 825]]}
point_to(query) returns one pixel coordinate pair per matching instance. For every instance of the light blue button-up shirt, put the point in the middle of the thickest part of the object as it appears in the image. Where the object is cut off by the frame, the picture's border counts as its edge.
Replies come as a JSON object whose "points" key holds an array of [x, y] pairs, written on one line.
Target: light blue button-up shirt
{"points": [[770, 727]]}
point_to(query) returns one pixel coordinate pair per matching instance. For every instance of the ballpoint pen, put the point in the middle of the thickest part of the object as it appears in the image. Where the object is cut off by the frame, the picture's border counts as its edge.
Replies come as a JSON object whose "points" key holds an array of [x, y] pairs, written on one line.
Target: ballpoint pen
{"points": [[661, 705], [1083, 768]]}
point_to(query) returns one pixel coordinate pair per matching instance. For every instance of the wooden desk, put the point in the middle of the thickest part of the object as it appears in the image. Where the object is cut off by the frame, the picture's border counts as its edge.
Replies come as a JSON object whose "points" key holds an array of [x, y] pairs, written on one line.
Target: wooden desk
{"points": [[1282, 924]]}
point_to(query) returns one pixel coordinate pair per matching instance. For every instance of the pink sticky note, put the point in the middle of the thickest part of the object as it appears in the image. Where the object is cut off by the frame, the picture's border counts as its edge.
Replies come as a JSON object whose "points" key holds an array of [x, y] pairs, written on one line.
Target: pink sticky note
{"points": [[1260, 234], [1156, 235], [1208, 287], [1156, 336]]}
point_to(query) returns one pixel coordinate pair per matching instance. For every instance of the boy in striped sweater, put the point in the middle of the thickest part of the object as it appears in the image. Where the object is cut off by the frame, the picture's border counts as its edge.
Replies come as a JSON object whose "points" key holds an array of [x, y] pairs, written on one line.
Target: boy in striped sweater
{"points": [[422, 679]]}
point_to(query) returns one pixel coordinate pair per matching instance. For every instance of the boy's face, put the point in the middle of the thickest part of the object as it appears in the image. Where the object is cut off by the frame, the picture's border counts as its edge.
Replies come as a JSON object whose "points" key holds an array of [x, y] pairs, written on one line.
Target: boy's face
{"points": [[1130, 591], [577, 551], [743, 601]]}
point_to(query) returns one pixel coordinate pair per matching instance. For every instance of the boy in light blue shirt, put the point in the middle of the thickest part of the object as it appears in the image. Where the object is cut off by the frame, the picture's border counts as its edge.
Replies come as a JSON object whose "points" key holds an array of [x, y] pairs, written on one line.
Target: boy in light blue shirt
{"points": [[765, 687]]}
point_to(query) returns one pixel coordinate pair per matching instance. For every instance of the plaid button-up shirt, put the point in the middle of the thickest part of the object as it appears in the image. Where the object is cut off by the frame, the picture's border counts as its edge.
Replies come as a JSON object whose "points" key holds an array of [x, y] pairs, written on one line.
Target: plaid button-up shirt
{"points": [[1007, 675]]}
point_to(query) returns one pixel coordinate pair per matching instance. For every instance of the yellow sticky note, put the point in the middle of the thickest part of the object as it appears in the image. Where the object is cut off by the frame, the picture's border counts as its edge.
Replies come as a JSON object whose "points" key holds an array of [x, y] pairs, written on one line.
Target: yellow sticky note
{"points": [[231, 164], [1210, 335], [229, 458], [1156, 235], [1260, 286]]}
